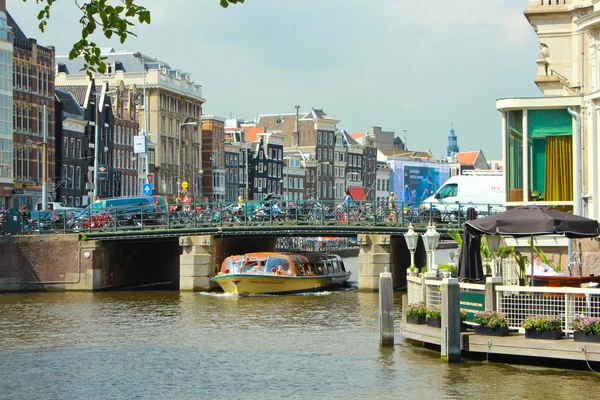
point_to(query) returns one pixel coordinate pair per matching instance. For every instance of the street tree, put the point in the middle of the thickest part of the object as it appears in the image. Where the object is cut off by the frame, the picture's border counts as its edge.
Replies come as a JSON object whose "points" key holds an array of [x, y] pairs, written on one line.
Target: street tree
{"points": [[111, 20]]}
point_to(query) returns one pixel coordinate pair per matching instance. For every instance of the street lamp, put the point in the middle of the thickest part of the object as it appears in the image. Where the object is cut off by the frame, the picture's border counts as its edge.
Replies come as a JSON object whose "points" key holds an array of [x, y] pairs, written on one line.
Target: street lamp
{"points": [[139, 56], [493, 242], [318, 169], [430, 239], [246, 148], [287, 179], [411, 238], [179, 155]]}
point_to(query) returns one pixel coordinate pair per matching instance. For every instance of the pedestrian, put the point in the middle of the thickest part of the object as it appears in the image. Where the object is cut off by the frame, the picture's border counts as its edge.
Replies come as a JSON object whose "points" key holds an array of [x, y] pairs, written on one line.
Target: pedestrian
{"points": [[347, 204], [392, 207]]}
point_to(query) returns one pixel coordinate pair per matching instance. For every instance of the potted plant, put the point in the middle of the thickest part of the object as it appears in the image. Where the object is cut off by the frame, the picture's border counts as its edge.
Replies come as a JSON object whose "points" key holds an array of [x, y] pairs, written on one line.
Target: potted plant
{"points": [[413, 270], [449, 270], [520, 260], [434, 316], [416, 313], [491, 323], [586, 329], [543, 327]]}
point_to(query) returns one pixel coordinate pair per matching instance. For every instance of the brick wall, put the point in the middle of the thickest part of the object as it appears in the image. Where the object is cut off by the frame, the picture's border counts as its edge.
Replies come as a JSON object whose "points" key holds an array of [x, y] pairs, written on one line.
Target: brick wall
{"points": [[47, 258]]}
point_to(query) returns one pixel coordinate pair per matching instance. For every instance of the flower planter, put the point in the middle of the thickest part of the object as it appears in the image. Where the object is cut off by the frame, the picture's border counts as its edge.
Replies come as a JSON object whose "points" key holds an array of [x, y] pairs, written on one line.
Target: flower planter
{"points": [[548, 335], [491, 331], [434, 322], [580, 336], [415, 319]]}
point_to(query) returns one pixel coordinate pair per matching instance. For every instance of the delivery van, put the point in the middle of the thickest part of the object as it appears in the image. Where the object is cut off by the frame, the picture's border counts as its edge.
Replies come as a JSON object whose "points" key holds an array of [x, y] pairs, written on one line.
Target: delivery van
{"points": [[125, 210], [52, 205], [482, 190]]}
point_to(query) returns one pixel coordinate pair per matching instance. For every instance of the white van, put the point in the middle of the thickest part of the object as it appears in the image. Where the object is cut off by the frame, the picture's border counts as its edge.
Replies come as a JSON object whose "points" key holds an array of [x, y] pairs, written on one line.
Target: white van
{"points": [[482, 190], [52, 205]]}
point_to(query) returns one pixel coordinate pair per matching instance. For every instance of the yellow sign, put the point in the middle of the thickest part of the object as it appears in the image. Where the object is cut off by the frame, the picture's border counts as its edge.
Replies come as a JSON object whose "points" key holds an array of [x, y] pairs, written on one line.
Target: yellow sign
{"points": [[184, 184]]}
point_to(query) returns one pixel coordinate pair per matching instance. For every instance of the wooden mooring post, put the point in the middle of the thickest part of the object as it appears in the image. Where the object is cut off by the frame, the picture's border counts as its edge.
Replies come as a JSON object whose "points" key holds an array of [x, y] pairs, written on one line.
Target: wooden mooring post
{"points": [[450, 340], [386, 309]]}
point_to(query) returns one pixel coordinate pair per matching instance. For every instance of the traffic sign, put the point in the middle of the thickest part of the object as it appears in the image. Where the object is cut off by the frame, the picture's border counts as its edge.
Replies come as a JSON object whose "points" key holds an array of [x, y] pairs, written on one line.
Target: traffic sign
{"points": [[184, 184], [102, 172], [147, 188]]}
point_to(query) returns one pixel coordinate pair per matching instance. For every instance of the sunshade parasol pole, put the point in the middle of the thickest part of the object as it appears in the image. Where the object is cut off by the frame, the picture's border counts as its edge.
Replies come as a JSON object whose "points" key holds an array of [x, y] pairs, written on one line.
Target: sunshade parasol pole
{"points": [[531, 282]]}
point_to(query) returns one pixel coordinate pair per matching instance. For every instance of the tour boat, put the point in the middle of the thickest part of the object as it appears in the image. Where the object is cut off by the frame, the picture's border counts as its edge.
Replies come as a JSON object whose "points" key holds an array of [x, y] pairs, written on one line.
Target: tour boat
{"points": [[281, 273]]}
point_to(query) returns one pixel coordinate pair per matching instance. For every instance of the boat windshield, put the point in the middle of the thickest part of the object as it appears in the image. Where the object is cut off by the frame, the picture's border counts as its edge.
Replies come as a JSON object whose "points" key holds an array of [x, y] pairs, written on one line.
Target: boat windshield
{"points": [[254, 267], [278, 265], [233, 264]]}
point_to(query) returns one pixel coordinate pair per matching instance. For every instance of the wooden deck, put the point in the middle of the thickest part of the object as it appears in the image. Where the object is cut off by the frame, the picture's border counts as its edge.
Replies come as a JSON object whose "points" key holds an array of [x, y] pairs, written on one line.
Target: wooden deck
{"points": [[514, 345]]}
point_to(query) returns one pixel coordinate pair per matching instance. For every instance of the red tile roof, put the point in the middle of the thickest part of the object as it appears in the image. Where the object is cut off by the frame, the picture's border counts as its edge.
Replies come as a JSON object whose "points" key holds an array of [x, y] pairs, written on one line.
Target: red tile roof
{"points": [[252, 133], [467, 157], [357, 135]]}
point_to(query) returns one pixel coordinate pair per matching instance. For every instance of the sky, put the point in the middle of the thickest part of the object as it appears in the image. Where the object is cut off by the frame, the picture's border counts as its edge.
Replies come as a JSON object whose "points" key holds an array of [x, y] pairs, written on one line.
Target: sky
{"points": [[400, 65]]}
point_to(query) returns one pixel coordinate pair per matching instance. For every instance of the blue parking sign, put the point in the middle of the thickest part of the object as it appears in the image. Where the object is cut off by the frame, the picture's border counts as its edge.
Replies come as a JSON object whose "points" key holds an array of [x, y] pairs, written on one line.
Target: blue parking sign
{"points": [[147, 188]]}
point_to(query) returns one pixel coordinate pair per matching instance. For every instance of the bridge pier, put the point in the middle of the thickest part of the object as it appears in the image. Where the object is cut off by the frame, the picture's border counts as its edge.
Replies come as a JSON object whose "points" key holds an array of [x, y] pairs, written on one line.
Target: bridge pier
{"points": [[198, 262], [378, 253], [202, 255]]}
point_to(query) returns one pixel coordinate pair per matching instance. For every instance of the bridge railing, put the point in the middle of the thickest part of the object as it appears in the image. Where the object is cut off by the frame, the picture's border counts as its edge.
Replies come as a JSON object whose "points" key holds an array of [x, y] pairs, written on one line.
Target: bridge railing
{"points": [[261, 213]]}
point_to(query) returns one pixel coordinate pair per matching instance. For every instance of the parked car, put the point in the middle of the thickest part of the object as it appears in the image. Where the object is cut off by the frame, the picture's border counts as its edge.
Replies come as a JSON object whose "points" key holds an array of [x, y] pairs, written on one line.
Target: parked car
{"points": [[121, 211], [56, 220]]}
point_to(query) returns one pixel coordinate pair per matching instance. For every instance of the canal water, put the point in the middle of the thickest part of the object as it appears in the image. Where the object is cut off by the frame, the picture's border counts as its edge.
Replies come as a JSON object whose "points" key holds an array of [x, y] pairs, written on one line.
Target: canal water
{"points": [[170, 345]]}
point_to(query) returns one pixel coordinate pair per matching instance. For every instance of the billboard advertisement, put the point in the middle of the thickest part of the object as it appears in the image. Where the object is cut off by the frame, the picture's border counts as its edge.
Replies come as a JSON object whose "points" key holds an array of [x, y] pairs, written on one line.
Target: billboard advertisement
{"points": [[416, 181], [139, 144]]}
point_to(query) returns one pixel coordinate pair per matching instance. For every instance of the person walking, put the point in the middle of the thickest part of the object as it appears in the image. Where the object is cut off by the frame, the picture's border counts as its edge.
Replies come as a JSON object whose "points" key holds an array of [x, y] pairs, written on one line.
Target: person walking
{"points": [[347, 204], [392, 213]]}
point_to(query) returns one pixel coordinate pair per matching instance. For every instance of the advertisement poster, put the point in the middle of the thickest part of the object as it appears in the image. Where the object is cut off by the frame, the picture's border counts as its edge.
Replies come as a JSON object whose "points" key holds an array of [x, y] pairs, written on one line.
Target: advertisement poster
{"points": [[414, 182], [139, 144]]}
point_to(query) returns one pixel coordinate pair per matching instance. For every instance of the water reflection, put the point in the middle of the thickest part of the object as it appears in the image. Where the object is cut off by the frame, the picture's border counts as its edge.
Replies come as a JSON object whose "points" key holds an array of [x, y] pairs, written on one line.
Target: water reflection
{"points": [[192, 345]]}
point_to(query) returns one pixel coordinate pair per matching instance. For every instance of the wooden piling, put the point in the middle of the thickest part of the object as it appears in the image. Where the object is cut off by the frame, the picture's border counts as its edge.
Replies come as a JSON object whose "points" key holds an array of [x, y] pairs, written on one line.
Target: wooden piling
{"points": [[450, 340], [386, 309]]}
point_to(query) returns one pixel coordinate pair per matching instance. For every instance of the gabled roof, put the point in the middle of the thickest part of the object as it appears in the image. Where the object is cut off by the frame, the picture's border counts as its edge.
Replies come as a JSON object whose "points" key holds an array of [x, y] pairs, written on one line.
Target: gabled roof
{"points": [[314, 115], [70, 105], [78, 92], [405, 153], [468, 157], [16, 30], [357, 135], [286, 123], [252, 133]]}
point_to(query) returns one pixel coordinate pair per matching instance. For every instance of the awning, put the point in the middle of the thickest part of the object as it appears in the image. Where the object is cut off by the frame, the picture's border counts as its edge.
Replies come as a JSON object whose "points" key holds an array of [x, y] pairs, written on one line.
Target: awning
{"points": [[357, 193]]}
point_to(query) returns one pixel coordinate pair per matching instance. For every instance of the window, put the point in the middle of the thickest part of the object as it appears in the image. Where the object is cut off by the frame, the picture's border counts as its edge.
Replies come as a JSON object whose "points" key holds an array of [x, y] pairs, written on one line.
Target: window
{"points": [[449, 190], [319, 137], [78, 178]]}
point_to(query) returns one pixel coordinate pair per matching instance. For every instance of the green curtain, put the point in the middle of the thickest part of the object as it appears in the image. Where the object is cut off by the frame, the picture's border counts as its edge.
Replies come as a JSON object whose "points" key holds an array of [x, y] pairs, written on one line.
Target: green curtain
{"points": [[559, 169]]}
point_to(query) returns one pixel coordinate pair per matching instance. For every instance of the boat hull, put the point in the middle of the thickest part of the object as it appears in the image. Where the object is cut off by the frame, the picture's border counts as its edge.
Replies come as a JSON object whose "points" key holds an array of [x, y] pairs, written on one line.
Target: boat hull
{"points": [[278, 284]]}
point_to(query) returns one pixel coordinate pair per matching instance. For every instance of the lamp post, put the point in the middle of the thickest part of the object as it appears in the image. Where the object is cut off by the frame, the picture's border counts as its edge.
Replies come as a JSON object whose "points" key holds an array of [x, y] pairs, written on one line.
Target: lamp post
{"points": [[246, 148], [45, 160], [180, 157], [430, 239], [96, 151], [411, 237], [318, 169], [493, 242], [287, 180], [139, 56]]}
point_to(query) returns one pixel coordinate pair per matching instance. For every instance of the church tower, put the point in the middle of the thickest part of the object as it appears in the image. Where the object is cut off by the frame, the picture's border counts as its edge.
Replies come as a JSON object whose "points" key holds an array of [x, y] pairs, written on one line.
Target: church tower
{"points": [[452, 142]]}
